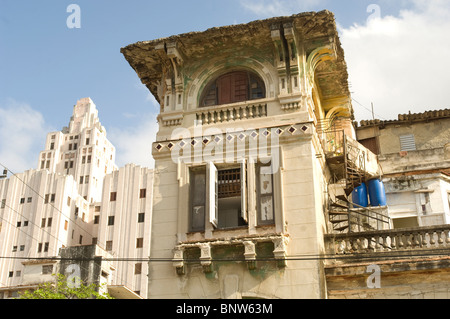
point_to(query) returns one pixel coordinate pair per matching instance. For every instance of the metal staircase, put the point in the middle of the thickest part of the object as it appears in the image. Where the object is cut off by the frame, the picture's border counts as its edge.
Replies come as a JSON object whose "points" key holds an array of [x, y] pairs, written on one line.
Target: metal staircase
{"points": [[350, 164], [346, 216]]}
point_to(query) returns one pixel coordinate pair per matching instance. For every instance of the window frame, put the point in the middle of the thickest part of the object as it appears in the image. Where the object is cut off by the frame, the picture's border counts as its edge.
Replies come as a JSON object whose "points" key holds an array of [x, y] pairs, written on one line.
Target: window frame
{"points": [[213, 90], [211, 202], [47, 269], [249, 184], [111, 220], [193, 203], [185, 166], [138, 268], [242, 217], [407, 143]]}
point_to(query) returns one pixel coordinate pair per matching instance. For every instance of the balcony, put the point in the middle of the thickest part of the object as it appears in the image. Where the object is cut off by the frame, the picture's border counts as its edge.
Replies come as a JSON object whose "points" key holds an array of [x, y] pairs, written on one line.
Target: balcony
{"points": [[216, 114], [392, 242], [249, 249], [231, 112], [348, 159], [404, 263]]}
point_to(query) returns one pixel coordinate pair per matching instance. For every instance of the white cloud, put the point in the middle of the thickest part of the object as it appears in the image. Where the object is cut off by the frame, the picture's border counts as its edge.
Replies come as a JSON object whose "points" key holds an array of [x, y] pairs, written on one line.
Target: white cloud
{"points": [[269, 8], [400, 63], [22, 136], [23, 131], [134, 144]]}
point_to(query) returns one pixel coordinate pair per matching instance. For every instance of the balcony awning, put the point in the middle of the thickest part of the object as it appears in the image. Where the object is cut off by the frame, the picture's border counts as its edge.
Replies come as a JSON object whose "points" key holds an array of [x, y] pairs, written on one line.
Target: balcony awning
{"points": [[122, 292]]}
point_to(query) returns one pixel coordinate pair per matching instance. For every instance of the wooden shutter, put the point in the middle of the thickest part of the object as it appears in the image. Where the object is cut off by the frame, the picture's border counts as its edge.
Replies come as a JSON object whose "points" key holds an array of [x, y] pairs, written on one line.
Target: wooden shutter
{"points": [[244, 213], [240, 87], [198, 198], [212, 194], [371, 144], [210, 96], [232, 87], [224, 89], [266, 199]]}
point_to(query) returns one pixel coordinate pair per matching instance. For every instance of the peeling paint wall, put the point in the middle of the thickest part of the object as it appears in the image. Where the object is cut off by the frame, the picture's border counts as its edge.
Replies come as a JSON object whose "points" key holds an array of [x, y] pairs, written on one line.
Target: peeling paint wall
{"points": [[408, 279]]}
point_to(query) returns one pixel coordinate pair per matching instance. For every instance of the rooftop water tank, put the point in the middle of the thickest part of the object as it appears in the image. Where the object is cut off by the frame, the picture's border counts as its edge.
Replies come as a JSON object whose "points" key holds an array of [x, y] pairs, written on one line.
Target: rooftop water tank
{"points": [[377, 193], [359, 196]]}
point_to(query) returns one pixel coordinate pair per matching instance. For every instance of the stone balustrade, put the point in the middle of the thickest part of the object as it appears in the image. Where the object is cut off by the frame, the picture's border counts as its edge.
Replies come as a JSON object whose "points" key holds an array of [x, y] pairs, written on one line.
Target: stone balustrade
{"points": [[227, 113], [392, 240]]}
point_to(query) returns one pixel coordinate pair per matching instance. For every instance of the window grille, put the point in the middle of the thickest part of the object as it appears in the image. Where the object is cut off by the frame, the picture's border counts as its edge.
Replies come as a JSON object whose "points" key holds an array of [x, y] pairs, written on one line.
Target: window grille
{"points": [[229, 183]]}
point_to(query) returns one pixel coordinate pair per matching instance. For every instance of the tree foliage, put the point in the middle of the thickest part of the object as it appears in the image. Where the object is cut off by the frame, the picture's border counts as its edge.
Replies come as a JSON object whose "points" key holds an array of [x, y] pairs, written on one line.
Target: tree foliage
{"points": [[63, 288]]}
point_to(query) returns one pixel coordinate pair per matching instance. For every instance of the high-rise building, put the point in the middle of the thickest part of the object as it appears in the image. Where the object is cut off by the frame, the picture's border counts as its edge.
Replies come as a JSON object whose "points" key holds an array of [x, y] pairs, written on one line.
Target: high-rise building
{"points": [[81, 150], [67, 201]]}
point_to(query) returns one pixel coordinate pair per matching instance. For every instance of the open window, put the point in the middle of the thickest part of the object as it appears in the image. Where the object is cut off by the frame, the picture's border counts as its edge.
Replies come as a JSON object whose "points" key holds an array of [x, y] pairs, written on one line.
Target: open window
{"points": [[233, 87], [218, 194], [227, 195], [224, 195]]}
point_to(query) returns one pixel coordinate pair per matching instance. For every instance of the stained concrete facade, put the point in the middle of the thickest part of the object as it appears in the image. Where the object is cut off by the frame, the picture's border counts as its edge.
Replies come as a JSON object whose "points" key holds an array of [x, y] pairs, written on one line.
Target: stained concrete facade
{"points": [[409, 261], [417, 278], [301, 64], [414, 155]]}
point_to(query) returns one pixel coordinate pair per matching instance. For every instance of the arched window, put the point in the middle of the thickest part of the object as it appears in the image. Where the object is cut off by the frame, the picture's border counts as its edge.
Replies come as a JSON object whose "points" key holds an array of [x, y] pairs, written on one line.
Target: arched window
{"points": [[233, 87]]}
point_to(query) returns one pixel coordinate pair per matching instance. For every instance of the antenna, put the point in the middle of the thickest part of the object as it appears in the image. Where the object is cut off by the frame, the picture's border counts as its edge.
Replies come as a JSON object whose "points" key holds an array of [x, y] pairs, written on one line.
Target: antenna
{"points": [[373, 113]]}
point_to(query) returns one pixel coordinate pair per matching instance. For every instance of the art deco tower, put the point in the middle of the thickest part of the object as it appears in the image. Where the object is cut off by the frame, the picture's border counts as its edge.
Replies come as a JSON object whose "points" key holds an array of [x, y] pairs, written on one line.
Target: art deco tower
{"points": [[66, 202]]}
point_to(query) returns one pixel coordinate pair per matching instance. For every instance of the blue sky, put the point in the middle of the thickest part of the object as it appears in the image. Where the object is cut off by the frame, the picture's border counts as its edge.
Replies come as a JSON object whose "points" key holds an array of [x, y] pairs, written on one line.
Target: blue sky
{"points": [[45, 67]]}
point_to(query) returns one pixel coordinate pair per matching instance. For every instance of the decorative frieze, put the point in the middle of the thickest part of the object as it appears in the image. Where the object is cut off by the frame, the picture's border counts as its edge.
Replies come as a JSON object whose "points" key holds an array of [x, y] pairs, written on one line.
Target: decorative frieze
{"points": [[254, 135]]}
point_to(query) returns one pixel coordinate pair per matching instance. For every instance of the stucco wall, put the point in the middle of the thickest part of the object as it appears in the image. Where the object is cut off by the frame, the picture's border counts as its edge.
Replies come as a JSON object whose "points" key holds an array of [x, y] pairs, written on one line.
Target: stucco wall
{"points": [[405, 279], [303, 224]]}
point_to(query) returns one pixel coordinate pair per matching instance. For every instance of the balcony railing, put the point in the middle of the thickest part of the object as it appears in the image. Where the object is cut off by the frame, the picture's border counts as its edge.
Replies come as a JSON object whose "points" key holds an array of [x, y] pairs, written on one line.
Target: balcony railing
{"points": [[392, 240], [231, 112]]}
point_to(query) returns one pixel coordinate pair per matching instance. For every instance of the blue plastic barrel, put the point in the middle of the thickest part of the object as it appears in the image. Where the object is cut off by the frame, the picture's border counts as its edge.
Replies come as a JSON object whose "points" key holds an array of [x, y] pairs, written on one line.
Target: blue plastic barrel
{"points": [[377, 193], [359, 196]]}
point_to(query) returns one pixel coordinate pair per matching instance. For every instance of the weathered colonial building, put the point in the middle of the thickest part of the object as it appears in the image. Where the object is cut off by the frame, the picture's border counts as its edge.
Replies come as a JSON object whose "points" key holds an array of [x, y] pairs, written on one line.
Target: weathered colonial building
{"points": [[77, 197], [254, 124], [411, 260], [414, 153]]}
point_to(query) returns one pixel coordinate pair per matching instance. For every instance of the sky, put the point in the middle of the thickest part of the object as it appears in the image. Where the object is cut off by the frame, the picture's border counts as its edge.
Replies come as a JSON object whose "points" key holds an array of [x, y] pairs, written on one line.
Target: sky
{"points": [[396, 51]]}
